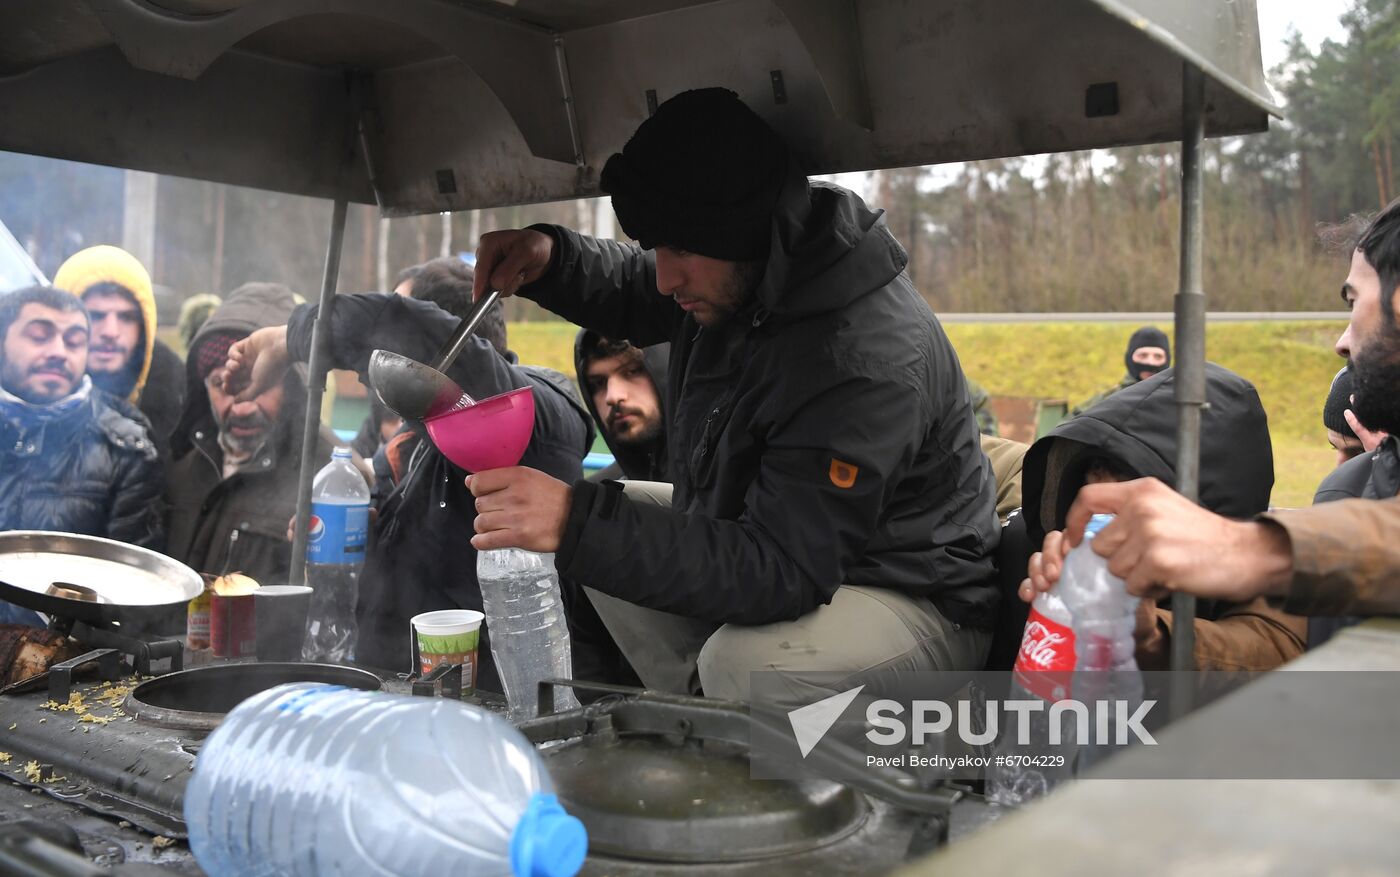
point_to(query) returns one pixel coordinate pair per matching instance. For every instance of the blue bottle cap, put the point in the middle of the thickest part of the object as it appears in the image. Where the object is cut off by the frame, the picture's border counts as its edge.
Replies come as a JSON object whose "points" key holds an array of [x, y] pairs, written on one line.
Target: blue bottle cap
{"points": [[1096, 523], [547, 842]]}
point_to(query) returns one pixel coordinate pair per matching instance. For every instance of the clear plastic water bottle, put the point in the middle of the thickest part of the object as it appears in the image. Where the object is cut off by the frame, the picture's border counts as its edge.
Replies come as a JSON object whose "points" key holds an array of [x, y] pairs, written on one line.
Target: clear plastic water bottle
{"points": [[1102, 609], [311, 780], [529, 633], [335, 554], [1105, 665]]}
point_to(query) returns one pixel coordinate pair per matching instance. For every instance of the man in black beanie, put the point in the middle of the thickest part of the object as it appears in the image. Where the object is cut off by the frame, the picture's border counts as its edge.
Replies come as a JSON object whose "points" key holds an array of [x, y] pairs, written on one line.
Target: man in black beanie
{"points": [[832, 509], [1149, 352]]}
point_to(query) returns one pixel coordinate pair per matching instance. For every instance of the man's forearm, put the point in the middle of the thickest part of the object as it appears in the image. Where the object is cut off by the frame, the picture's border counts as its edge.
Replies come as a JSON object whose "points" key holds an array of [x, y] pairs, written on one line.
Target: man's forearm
{"points": [[1345, 557], [604, 286]]}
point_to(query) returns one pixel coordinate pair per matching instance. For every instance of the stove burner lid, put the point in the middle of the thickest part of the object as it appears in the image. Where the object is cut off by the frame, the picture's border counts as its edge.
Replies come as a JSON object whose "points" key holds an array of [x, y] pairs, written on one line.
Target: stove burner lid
{"points": [[198, 699], [652, 798]]}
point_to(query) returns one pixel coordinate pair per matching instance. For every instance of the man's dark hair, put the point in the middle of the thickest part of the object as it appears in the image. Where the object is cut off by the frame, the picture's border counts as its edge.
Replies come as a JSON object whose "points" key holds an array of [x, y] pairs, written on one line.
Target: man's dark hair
{"points": [[108, 287], [409, 273], [1380, 244], [607, 348], [447, 283], [48, 296]]}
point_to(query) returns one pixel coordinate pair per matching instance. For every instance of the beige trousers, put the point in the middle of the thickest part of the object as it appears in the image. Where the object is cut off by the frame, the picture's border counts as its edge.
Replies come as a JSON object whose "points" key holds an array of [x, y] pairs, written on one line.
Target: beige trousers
{"points": [[864, 634]]}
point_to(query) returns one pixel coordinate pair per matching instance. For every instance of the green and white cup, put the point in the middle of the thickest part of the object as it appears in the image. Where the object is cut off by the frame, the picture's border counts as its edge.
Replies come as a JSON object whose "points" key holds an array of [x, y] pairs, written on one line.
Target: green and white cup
{"points": [[448, 636]]}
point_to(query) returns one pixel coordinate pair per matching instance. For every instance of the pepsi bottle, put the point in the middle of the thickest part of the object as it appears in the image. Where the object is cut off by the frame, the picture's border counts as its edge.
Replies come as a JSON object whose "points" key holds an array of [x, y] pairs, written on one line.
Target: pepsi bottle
{"points": [[335, 554]]}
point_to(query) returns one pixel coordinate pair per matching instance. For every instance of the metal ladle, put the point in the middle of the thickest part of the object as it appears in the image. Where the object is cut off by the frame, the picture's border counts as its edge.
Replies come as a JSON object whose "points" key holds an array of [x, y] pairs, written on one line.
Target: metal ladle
{"points": [[416, 391]]}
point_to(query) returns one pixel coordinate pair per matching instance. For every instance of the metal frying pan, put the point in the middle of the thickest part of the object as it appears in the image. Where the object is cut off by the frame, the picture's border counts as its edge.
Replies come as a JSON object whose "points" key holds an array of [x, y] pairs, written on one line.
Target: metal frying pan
{"points": [[89, 579]]}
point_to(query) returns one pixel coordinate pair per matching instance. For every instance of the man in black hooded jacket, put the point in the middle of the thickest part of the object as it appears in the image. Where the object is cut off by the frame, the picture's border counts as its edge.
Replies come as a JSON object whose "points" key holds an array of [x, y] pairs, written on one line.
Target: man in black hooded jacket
{"points": [[832, 509]]}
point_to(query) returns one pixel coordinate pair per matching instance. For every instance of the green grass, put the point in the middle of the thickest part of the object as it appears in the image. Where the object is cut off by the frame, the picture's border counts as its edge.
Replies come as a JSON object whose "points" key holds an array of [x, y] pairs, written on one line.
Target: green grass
{"points": [[1290, 363]]}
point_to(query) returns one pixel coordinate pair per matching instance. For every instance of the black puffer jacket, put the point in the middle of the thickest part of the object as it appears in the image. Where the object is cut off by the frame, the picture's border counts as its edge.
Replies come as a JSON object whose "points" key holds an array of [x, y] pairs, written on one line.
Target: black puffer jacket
{"points": [[421, 558], [822, 436], [92, 471], [647, 463]]}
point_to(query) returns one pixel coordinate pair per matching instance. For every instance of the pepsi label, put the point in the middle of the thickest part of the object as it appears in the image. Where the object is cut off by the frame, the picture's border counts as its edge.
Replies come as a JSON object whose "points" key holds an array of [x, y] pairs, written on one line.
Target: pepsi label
{"points": [[336, 534]]}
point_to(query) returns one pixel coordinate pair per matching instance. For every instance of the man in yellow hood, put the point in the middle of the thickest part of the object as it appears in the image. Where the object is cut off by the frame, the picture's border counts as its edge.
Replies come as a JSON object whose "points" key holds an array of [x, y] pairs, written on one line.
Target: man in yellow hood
{"points": [[125, 359]]}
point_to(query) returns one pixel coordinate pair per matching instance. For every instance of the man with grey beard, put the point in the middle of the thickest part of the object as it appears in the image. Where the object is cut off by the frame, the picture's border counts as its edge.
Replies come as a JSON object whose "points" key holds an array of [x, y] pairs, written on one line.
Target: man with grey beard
{"points": [[234, 480]]}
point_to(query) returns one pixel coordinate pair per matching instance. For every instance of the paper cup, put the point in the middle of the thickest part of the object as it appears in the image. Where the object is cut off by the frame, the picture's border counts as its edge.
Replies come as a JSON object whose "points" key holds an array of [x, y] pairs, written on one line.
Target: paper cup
{"points": [[448, 636], [281, 612]]}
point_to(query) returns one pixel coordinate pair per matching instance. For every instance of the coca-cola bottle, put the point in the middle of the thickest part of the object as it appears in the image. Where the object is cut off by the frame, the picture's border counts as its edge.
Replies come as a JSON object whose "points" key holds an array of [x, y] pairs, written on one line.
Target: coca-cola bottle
{"points": [[1044, 670], [1089, 603]]}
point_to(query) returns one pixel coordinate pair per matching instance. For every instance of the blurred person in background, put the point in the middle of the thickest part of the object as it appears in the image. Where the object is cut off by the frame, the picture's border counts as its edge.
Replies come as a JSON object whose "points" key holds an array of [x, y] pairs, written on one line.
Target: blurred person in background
{"points": [[194, 311], [1149, 352], [73, 458], [125, 358], [234, 479], [447, 283]]}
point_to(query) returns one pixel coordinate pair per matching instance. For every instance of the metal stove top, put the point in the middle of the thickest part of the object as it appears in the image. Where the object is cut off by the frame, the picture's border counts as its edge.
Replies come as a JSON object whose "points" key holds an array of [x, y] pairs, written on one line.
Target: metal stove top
{"points": [[662, 783]]}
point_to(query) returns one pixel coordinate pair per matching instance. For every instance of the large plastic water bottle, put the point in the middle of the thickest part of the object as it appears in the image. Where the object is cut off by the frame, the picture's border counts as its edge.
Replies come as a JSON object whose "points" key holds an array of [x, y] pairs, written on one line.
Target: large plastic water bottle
{"points": [[335, 554], [528, 630], [311, 780]]}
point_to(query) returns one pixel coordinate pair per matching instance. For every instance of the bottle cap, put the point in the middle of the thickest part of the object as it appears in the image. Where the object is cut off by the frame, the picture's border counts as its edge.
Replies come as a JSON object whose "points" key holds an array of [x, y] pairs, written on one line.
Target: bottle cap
{"points": [[340, 452], [1096, 523], [547, 842]]}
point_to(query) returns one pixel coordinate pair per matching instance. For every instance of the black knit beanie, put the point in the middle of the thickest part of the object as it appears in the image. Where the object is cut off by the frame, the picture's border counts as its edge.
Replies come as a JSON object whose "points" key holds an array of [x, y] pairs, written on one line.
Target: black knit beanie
{"points": [[701, 175], [1338, 400], [1147, 336]]}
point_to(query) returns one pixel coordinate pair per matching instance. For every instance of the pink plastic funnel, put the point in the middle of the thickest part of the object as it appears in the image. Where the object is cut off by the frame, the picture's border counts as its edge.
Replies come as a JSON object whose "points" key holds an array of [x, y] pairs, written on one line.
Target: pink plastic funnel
{"points": [[488, 435]]}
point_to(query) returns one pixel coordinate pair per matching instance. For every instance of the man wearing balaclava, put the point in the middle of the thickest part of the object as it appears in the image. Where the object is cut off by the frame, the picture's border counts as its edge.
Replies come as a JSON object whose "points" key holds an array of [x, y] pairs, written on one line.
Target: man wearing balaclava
{"points": [[1149, 352], [832, 510]]}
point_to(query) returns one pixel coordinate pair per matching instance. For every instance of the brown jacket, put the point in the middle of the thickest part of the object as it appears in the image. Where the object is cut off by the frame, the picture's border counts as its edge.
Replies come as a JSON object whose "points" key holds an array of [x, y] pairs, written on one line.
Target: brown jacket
{"points": [[1245, 636], [1346, 557]]}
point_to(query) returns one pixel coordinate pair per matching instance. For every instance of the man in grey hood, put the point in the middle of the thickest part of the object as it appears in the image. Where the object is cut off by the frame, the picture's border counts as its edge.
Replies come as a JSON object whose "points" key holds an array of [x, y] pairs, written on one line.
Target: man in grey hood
{"points": [[832, 510], [624, 388], [233, 485]]}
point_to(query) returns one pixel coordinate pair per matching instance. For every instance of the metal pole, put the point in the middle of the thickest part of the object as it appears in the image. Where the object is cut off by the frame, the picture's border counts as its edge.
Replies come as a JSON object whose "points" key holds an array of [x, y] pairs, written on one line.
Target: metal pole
{"points": [[318, 366], [1190, 355]]}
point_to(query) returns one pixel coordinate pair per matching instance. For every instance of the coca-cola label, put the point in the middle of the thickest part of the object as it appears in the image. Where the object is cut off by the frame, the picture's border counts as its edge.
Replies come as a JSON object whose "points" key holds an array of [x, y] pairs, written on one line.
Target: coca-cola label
{"points": [[1045, 663]]}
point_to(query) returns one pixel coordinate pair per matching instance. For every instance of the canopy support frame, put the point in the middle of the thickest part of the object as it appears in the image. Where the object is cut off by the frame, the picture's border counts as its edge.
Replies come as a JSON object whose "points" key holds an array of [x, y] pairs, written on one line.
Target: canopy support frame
{"points": [[1190, 307]]}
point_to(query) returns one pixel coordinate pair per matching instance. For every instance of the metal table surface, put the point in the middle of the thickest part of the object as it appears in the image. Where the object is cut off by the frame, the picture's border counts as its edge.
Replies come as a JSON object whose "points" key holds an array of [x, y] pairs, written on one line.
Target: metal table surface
{"points": [[1218, 827]]}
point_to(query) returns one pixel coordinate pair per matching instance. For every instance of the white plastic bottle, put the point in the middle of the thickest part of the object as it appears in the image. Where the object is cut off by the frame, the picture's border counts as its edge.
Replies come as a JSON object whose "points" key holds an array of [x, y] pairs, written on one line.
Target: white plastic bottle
{"points": [[335, 554], [526, 624], [311, 780], [1102, 609], [1105, 665]]}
